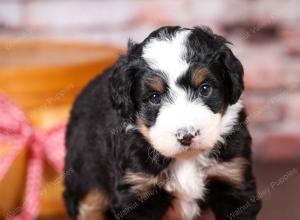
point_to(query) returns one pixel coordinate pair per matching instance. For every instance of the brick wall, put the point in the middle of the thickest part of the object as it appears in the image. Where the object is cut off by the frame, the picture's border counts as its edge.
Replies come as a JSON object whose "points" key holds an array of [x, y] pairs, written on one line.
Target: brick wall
{"points": [[266, 37]]}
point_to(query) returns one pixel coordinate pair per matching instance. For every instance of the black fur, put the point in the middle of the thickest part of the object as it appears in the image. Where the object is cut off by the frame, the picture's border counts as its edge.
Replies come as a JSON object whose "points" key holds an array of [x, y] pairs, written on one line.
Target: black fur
{"points": [[100, 149]]}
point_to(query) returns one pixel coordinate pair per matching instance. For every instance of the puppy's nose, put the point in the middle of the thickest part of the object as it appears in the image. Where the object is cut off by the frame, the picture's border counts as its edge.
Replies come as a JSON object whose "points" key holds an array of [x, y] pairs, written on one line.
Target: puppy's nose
{"points": [[186, 140], [185, 136]]}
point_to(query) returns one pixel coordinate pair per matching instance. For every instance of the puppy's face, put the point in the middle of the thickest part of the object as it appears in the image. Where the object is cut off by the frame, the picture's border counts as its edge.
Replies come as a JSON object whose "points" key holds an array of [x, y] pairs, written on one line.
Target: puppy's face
{"points": [[185, 90]]}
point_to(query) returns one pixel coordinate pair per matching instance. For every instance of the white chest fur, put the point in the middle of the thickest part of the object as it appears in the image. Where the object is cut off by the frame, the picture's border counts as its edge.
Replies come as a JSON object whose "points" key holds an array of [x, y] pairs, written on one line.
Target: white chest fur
{"points": [[187, 183]]}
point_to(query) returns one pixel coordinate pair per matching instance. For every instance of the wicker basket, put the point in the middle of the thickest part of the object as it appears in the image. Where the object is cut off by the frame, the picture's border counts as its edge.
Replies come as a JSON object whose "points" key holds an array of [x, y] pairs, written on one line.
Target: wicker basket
{"points": [[43, 78]]}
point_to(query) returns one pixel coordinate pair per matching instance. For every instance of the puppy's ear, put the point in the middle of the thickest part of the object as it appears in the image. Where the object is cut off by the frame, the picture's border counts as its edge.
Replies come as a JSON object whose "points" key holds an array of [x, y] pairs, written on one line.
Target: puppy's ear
{"points": [[235, 72], [120, 87], [124, 75]]}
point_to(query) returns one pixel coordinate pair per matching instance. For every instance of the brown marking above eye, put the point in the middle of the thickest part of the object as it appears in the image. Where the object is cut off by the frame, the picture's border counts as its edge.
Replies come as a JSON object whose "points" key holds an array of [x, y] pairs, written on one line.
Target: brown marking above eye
{"points": [[156, 83], [198, 76]]}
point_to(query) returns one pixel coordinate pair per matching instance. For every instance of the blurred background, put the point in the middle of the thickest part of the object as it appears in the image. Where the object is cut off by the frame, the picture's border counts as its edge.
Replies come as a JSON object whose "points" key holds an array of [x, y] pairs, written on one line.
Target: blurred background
{"points": [[49, 49]]}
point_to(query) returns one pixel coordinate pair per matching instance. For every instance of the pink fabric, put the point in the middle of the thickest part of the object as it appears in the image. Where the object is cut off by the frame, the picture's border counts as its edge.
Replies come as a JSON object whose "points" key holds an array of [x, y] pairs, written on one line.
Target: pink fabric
{"points": [[42, 145]]}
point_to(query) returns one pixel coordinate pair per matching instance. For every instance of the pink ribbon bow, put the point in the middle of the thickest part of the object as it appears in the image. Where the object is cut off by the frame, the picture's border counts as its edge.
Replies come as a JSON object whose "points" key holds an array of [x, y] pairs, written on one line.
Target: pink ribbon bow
{"points": [[42, 145]]}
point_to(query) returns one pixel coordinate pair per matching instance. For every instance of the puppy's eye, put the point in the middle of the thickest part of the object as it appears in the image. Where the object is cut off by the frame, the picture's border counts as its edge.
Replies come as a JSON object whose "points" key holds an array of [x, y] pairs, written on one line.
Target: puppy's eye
{"points": [[155, 99], [206, 90]]}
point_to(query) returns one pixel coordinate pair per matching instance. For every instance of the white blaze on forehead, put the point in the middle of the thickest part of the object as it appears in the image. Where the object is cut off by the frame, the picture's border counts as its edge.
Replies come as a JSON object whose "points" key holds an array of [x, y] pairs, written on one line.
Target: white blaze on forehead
{"points": [[167, 55]]}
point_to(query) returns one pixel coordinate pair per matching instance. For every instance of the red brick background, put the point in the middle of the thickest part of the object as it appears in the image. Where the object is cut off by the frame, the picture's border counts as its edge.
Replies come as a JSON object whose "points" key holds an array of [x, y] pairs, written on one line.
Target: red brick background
{"points": [[265, 36]]}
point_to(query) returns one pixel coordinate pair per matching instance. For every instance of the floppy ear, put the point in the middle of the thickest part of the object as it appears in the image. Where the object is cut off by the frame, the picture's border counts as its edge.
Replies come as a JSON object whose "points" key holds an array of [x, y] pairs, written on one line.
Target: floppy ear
{"points": [[120, 86], [124, 74], [235, 72]]}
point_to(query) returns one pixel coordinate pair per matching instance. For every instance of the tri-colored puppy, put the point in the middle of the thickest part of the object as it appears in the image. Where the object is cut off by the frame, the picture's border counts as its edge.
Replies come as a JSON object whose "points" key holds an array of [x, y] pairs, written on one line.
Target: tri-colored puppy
{"points": [[163, 131]]}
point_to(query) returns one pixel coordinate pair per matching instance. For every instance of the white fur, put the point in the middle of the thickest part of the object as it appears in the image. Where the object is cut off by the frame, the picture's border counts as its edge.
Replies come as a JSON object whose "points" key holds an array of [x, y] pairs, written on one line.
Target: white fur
{"points": [[183, 113], [230, 118], [167, 54], [187, 182], [187, 179]]}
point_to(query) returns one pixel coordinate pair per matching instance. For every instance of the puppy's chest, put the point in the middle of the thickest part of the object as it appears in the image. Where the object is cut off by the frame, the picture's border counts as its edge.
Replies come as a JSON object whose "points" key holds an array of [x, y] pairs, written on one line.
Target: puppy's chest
{"points": [[187, 180]]}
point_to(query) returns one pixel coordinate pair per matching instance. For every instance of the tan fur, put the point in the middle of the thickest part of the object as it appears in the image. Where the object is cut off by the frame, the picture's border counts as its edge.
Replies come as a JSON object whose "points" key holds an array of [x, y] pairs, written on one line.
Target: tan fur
{"points": [[143, 128], [189, 154], [142, 183], [93, 206], [198, 76], [231, 172], [157, 84]]}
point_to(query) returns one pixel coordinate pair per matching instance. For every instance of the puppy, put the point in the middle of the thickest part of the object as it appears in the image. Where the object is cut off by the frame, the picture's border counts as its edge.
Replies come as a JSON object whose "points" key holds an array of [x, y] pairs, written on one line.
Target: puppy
{"points": [[163, 133]]}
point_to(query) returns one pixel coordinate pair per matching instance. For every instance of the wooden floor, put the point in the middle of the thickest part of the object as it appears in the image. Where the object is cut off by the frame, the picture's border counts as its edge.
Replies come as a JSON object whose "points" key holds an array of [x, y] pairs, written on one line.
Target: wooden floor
{"points": [[279, 186]]}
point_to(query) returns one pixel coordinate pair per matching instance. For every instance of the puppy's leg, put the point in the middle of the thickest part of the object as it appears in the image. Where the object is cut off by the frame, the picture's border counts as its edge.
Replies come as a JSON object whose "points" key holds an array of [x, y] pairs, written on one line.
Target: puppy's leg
{"points": [[93, 206], [230, 202], [151, 205]]}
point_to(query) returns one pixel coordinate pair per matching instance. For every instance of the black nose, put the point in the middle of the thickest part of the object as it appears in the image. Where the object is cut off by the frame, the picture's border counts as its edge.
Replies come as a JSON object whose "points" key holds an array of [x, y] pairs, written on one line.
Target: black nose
{"points": [[185, 136], [186, 140]]}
